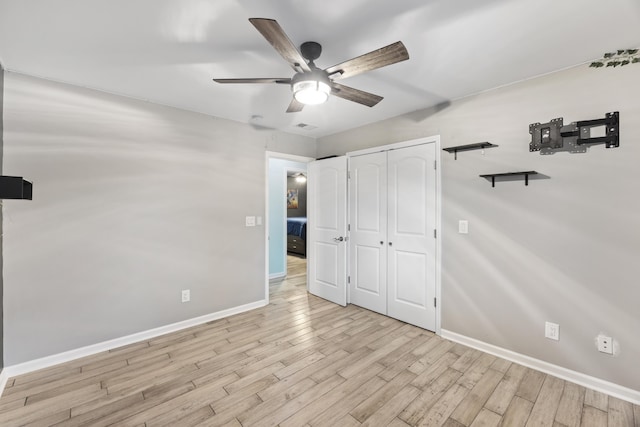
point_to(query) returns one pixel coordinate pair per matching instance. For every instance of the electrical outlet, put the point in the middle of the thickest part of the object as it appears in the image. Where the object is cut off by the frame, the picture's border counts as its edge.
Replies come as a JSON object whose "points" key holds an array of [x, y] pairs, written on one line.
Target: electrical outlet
{"points": [[186, 295], [552, 331], [463, 226], [605, 344]]}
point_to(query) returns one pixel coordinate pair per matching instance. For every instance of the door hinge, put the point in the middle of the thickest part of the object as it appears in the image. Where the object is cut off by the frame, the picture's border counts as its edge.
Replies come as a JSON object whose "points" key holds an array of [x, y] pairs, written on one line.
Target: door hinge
{"points": [[435, 233], [348, 227], [348, 174], [435, 164], [348, 279], [435, 304]]}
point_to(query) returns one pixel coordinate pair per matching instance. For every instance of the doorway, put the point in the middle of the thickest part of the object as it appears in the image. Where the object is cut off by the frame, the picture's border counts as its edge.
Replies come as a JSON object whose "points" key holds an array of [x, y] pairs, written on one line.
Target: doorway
{"points": [[279, 168]]}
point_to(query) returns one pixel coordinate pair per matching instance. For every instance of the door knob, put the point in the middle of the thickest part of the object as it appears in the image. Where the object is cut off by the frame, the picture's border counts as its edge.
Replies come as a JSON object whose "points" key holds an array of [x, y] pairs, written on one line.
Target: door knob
{"points": [[390, 244], [338, 239], [381, 242]]}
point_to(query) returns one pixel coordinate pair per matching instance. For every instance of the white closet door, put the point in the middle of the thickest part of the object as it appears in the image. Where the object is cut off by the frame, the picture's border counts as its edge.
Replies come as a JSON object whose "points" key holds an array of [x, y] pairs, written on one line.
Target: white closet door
{"points": [[327, 229], [368, 235], [412, 220]]}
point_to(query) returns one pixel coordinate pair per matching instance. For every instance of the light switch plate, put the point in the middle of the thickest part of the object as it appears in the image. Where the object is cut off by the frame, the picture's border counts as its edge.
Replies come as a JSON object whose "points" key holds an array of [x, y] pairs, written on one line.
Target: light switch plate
{"points": [[186, 295], [259, 220], [552, 331], [463, 226], [250, 221]]}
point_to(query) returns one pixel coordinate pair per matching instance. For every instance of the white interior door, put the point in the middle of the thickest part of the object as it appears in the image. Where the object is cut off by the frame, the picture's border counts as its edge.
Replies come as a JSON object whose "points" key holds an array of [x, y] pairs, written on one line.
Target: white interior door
{"points": [[368, 231], [327, 229], [411, 274]]}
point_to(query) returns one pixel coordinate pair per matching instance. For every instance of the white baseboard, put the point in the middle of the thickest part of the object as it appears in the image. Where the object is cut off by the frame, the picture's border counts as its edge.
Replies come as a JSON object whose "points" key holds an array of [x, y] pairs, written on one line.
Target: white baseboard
{"points": [[67, 356], [277, 276], [588, 381], [4, 377]]}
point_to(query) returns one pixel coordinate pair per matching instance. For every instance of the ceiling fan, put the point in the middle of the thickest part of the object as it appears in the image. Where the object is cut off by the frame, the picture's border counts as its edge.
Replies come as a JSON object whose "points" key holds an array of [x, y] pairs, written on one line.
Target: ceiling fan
{"points": [[312, 85]]}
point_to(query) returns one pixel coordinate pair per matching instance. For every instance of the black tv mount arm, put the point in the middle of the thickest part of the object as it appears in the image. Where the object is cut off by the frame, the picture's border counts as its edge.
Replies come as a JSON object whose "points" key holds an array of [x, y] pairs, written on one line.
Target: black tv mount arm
{"points": [[551, 137], [582, 130]]}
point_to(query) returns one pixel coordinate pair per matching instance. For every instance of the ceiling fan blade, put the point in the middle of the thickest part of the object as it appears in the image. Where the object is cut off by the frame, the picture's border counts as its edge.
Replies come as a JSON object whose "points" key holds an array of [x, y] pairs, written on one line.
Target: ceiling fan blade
{"points": [[355, 95], [382, 57], [267, 80], [295, 106], [273, 32]]}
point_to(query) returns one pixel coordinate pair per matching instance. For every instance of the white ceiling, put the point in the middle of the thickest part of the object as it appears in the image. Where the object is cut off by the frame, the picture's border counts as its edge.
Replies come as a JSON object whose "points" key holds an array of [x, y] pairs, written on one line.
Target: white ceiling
{"points": [[167, 51]]}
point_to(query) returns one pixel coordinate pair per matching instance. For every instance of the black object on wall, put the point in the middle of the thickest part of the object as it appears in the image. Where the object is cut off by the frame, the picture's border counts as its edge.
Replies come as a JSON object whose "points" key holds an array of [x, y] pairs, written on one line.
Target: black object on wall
{"points": [[554, 136], [493, 176], [476, 146], [14, 187]]}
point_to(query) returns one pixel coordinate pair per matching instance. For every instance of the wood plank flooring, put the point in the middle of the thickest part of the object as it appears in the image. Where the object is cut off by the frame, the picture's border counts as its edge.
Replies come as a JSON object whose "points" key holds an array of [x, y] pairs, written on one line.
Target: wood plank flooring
{"points": [[302, 361]]}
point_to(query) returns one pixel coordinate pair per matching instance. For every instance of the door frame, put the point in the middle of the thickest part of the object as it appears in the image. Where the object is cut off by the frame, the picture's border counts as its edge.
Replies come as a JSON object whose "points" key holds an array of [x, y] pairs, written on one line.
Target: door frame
{"points": [[280, 156], [438, 211]]}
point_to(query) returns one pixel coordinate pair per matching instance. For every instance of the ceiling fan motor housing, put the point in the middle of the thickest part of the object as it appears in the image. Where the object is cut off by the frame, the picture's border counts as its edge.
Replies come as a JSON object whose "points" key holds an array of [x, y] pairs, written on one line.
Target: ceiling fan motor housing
{"points": [[311, 50]]}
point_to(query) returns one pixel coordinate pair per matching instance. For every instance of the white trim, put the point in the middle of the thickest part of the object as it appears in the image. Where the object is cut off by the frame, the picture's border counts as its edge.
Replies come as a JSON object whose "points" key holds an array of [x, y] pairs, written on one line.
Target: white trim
{"points": [[266, 226], [585, 380], [438, 167], [348, 234], [67, 356], [277, 276], [284, 223], [4, 377], [292, 157], [396, 146]]}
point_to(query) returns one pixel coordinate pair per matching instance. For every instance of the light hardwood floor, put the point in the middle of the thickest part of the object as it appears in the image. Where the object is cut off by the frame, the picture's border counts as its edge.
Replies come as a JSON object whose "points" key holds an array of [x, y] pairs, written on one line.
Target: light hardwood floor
{"points": [[302, 361]]}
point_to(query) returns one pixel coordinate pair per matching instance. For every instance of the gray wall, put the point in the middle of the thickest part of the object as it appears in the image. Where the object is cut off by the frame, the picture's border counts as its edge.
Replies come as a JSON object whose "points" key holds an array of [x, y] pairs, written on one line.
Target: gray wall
{"points": [[302, 197], [1, 210], [132, 203], [564, 249]]}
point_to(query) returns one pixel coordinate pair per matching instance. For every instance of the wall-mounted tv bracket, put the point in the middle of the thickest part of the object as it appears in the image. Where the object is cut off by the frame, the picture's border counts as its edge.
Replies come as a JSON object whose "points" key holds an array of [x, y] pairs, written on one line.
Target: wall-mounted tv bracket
{"points": [[545, 135], [552, 137], [583, 130]]}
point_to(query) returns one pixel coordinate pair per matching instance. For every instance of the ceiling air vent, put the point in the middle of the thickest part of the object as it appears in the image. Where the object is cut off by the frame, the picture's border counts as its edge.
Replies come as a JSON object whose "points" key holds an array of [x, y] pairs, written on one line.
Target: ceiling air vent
{"points": [[306, 126]]}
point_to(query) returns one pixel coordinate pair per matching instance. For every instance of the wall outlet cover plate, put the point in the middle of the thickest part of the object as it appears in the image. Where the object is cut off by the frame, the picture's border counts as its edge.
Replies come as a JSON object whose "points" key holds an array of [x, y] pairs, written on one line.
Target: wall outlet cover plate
{"points": [[605, 344]]}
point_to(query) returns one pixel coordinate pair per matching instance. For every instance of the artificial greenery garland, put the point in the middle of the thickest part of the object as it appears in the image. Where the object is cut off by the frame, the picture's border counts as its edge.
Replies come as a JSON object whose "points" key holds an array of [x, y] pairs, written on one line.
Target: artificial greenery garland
{"points": [[619, 58]]}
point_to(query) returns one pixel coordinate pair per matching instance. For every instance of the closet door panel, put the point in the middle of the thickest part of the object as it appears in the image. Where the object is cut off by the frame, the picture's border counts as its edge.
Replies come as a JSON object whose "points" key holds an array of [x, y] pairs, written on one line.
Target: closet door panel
{"points": [[368, 235], [411, 224], [410, 272], [368, 264]]}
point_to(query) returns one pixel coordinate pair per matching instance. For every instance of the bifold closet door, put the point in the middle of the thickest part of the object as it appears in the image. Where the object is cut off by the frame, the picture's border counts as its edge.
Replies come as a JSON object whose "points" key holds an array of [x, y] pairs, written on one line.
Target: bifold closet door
{"points": [[368, 234], [411, 273]]}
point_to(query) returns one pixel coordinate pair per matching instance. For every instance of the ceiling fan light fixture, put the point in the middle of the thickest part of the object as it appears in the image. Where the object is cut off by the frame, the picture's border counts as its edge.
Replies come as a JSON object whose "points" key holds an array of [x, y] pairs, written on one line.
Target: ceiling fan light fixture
{"points": [[311, 92]]}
